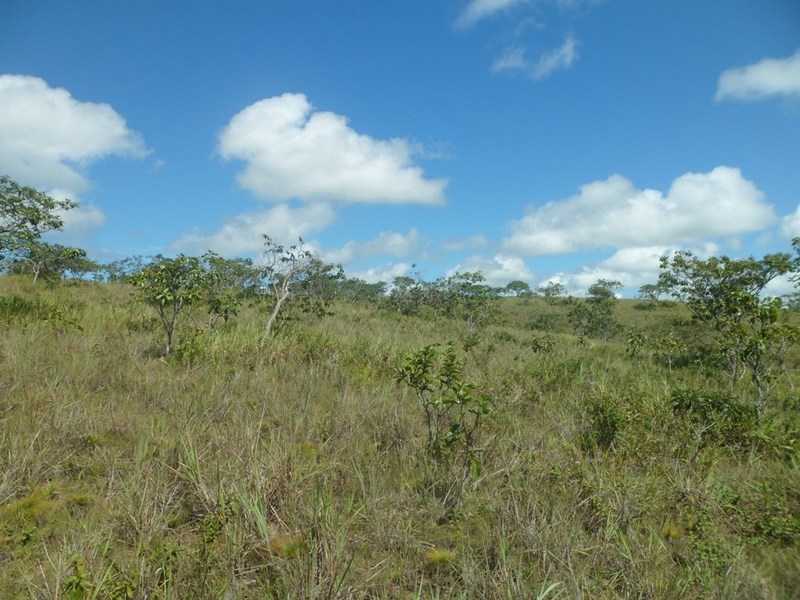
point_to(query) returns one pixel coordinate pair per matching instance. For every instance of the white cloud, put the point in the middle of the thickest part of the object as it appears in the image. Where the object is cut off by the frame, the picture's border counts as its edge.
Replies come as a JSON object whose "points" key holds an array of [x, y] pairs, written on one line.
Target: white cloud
{"points": [[48, 138], [781, 286], [387, 243], [385, 273], [293, 151], [513, 59], [614, 214], [632, 267], [243, 233], [79, 222], [480, 9], [791, 224], [766, 78], [477, 10], [557, 59], [498, 270]]}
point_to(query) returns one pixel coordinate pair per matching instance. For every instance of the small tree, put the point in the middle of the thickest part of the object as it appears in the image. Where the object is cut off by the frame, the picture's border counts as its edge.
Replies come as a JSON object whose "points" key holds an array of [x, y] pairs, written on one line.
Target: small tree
{"points": [[295, 271], [25, 214], [594, 316], [651, 292], [552, 290], [357, 290], [229, 281], [518, 288], [408, 295], [466, 296], [171, 285], [51, 261], [727, 295], [604, 289], [453, 411]]}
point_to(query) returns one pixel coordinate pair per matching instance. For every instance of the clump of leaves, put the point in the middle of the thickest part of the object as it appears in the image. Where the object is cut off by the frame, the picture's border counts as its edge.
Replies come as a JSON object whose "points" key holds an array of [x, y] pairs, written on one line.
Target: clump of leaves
{"points": [[606, 419], [170, 285], [715, 416], [544, 344], [453, 410]]}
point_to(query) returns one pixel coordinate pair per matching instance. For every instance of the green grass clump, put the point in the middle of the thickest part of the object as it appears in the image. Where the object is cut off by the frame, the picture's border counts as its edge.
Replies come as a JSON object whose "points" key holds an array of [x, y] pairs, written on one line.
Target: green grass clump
{"points": [[298, 467]]}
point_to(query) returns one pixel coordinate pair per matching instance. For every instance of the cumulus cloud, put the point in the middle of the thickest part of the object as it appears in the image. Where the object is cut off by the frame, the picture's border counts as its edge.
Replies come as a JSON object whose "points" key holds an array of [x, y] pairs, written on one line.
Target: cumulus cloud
{"points": [[387, 243], [291, 151], [79, 222], [556, 59], [498, 270], [48, 138], [243, 234], [615, 214], [385, 273], [791, 224], [783, 285], [632, 267], [764, 79]]}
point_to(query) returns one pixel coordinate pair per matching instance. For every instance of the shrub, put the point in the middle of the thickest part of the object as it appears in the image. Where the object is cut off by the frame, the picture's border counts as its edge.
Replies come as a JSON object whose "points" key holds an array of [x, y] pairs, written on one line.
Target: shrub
{"points": [[453, 411], [715, 416]]}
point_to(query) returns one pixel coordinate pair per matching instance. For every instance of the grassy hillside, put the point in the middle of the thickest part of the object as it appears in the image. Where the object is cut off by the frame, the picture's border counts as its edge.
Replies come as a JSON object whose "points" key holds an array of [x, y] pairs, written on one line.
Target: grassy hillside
{"points": [[296, 466]]}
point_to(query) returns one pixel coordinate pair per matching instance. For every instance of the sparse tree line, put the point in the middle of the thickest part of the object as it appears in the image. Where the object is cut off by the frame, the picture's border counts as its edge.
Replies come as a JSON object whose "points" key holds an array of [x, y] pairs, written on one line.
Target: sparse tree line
{"points": [[748, 331]]}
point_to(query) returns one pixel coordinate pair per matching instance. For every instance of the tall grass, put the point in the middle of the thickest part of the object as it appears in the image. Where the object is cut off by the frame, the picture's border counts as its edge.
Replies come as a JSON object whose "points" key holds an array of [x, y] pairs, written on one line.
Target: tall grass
{"points": [[295, 466]]}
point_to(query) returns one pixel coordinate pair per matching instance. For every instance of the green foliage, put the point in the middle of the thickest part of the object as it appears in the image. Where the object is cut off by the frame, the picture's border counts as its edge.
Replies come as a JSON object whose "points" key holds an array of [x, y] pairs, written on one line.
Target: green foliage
{"points": [[548, 321], [228, 283], [453, 411], [652, 292], [714, 416], [544, 344], [171, 285], [465, 296], [296, 272], [727, 295], [462, 296], [51, 261], [518, 288], [19, 310], [16, 308], [552, 291], [594, 316], [26, 214], [290, 469], [122, 269], [605, 421], [604, 289], [356, 290], [637, 341]]}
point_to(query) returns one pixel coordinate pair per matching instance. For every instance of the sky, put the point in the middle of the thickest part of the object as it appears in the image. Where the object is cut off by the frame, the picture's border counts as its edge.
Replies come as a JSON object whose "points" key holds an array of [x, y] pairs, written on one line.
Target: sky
{"points": [[533, 140]]}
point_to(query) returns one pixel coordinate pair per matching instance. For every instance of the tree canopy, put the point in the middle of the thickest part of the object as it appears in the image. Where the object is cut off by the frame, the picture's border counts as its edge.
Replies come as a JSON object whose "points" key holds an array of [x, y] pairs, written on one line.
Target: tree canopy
{"points": [[25, 214]]}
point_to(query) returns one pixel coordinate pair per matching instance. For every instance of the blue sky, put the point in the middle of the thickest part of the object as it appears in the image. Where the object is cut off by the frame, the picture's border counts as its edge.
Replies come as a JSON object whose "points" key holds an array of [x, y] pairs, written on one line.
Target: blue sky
{"points": [[542, 140]]}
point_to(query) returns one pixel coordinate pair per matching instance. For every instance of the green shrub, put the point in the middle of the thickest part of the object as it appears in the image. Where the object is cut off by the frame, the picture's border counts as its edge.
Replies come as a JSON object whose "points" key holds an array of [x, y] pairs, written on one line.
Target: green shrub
{"points": [[715, 416], [605, 422]]}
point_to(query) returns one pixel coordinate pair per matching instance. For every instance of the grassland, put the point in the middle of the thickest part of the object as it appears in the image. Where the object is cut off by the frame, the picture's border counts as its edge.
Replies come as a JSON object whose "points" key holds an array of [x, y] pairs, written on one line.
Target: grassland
{"points": [[295, 466]]}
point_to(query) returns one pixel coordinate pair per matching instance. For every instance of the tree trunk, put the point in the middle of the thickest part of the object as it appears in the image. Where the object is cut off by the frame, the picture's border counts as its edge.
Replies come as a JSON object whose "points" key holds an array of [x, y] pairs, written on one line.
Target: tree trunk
{"points": [[272, 318]]}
